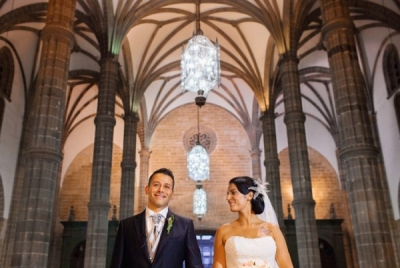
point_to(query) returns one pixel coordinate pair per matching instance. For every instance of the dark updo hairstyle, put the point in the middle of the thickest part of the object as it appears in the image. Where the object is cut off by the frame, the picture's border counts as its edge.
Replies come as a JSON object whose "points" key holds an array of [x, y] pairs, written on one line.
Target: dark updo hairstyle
{"points": [[243, 183]]}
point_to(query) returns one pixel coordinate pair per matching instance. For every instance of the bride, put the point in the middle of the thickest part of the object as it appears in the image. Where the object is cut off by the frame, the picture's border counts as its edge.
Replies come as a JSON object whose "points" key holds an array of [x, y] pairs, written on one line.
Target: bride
{"points": [[254, 238]]}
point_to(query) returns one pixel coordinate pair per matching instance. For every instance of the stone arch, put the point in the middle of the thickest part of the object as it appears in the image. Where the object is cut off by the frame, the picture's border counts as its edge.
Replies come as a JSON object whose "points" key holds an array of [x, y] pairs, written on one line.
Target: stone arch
{"points": [[6, 72], [325, 185], [396, 105], [78, 255], [6, 79], [391, 69], [327, 253]]}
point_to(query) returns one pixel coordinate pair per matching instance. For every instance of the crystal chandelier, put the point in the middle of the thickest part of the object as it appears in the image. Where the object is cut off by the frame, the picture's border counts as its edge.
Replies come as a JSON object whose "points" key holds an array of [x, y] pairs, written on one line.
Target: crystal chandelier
{"points": [[200, 63], [199, 201], [198, 161]]}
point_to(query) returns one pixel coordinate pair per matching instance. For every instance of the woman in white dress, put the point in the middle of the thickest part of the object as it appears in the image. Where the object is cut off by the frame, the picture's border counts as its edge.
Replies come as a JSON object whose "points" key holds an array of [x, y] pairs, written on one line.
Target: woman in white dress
{"points": [[254, 238]]}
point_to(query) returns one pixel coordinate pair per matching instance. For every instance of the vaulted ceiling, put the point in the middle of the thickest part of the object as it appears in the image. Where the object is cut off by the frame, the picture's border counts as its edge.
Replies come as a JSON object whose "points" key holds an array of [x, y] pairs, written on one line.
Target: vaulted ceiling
{"points": [[147, 36]]}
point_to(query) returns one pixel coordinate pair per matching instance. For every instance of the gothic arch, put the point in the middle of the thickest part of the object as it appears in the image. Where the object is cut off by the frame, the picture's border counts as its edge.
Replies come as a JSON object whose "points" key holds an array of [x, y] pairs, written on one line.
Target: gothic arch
{"points": [[397, 109], [323, 176], [6, 73], [391, 69], [6, 79]]}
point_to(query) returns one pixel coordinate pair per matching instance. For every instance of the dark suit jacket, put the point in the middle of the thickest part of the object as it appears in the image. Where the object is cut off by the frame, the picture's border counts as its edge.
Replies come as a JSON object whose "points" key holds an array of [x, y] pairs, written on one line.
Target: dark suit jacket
{"points": [[130, 250]]}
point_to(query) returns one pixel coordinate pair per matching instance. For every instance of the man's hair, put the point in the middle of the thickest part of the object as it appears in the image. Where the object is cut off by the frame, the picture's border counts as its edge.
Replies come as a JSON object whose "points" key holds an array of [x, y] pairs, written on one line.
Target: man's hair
{"points": [[164, 171]]}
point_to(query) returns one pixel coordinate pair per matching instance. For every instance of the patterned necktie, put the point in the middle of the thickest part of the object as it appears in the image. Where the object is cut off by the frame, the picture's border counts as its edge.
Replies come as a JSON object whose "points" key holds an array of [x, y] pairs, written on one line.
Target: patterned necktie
{"points": [[154, 234]]}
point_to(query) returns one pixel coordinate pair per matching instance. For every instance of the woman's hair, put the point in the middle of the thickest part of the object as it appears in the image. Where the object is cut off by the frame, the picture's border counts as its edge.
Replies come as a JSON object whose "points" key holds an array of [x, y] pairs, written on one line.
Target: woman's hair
{"points": [[243, 183]]}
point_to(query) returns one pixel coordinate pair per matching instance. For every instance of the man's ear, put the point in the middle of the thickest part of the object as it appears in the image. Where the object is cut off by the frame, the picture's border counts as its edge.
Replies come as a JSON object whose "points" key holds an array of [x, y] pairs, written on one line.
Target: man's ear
{"points": [[146, 190]]}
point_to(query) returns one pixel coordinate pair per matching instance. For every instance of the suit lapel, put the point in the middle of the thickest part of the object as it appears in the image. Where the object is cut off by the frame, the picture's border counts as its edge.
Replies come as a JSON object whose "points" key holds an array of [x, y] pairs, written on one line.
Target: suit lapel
{"points": [[140, 224], [164, 236]]}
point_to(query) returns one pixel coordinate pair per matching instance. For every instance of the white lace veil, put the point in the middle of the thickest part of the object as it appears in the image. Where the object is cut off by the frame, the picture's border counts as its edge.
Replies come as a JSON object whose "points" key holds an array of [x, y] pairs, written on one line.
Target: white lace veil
{"points": [[268, 214]]}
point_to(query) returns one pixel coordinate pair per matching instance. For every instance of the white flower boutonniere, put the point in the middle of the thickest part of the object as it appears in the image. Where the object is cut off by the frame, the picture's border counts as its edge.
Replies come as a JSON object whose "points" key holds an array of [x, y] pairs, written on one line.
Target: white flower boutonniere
{"points": [[170, 222]]}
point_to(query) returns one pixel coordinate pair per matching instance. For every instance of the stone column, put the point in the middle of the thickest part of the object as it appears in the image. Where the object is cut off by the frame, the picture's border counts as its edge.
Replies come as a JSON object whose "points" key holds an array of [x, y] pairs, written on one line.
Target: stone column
{"points": [[99, 204], [272, 163], [144, 175], [255, 155], [358, 153], [385, 188], [43, 155], [303, 202], [9, 239], [128, 166]]}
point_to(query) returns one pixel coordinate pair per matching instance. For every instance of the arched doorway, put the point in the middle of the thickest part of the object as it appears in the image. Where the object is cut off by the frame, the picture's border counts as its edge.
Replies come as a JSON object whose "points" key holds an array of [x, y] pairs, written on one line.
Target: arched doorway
{"points": [[327, 253], [77, 259]]}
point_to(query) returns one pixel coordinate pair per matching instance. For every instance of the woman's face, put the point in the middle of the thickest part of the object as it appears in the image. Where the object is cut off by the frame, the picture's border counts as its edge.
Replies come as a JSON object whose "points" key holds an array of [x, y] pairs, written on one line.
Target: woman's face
{"points": [[236, 200]]}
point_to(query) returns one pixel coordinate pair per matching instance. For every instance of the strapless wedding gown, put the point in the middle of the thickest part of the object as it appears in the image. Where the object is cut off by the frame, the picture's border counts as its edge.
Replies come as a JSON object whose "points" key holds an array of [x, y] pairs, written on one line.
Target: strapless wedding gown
{"points": [[250, 252]]}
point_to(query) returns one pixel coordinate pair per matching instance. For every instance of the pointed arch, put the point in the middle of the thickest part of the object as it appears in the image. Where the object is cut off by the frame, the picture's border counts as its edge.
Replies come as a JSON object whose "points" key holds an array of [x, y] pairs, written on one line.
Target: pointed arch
{"points": [[391, 69], [6, 73], [396, 105], [6, 79]]}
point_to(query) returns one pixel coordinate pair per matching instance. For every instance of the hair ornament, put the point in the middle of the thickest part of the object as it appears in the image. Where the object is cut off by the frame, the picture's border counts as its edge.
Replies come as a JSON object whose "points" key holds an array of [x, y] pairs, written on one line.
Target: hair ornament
{"points": [[260, 188], [268, 215]]}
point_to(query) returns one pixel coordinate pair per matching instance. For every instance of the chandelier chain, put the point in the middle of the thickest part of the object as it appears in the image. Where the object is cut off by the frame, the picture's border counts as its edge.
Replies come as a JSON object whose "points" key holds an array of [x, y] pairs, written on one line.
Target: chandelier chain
{"points": [[198, 124]]}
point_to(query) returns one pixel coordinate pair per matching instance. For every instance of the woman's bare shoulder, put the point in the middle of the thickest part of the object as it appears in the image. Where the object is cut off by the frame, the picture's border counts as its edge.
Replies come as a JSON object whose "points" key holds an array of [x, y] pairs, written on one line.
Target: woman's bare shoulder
{"points": [[225, 231], [224, 228]]}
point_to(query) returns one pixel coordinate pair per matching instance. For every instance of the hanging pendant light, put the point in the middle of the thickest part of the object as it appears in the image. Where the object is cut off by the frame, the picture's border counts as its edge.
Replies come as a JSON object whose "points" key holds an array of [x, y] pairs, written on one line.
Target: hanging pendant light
{"points": [[199, 201], [198, 160], [200, 63]]}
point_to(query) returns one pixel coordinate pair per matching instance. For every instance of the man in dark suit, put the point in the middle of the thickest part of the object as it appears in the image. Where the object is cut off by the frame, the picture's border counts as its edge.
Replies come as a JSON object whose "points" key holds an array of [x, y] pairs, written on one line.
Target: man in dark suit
{"points": [[163, 242]]}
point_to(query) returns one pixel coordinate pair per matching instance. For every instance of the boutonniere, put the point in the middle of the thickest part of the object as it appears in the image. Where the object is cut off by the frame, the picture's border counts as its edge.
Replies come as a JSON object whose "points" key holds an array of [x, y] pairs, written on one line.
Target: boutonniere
{"points": [[170, 221]]}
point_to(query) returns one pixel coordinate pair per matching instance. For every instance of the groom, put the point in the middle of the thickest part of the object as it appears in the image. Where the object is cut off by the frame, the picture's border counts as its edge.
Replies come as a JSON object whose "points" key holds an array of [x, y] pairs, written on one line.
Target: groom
{"points": [[157, 237]]}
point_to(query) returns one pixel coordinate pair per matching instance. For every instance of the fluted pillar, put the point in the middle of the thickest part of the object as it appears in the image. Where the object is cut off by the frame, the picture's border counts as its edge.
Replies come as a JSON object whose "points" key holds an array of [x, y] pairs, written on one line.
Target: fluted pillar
{"points": [[303, 202], [43, 155], [272, 163], [358, 153], [99, 203], [128, 166]]}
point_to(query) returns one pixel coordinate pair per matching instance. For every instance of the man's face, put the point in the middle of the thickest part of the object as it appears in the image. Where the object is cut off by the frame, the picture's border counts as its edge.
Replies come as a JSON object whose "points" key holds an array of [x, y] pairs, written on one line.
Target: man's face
{"points": [[159, 192]]}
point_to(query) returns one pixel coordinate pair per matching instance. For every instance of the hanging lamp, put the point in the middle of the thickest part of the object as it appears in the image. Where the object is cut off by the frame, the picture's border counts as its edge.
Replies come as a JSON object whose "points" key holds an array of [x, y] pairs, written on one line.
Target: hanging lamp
{"points": [[198, 160], [199, 201], [200, 63]]}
